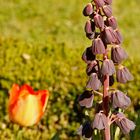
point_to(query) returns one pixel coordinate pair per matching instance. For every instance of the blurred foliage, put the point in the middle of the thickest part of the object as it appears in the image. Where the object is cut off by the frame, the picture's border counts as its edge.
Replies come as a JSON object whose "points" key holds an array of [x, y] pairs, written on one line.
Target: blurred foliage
{"points": [[41, 43]]}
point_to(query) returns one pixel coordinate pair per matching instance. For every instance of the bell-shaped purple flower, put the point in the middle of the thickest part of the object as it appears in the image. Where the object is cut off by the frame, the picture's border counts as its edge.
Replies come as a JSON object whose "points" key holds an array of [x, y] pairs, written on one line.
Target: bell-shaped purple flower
{"points": [[119, 99], [99, 22], [92, 67], [99, 3], [89, 27], [88, 56], [85, 130], [100, 121], [107, 10], [109, 35], [108, 1], [94, 82], [118, 37], [98, 46], [108, 67], [124, 124], [88, 10], [112, 22], [123, 75], [118, 54], [86, 99]]}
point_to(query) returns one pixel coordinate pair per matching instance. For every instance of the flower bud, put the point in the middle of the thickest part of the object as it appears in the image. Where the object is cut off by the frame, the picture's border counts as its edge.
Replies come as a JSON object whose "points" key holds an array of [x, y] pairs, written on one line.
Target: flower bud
{"points": [[124, 124], [93, 83], [118, 54], [100, 121], [119, 99], [99, 3], [107, 10], [85, 130], [88, 10], [107, 67], [112, 22], [108, 1], [108, 35], [89, 27], [26, 107], [118, 37], [123, 75], [92, 67], [88, 55], [99, 22], [98, 46], [86, 99]]}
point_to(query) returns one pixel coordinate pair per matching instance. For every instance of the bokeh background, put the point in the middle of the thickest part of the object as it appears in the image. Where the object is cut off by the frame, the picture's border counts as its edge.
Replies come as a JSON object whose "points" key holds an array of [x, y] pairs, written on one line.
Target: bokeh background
{"points": [[41, 43]]}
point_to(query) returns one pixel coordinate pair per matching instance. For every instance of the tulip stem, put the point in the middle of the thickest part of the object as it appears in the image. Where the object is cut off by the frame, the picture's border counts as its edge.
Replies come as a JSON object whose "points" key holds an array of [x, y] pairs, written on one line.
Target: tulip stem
{"points": [[106, 102]]}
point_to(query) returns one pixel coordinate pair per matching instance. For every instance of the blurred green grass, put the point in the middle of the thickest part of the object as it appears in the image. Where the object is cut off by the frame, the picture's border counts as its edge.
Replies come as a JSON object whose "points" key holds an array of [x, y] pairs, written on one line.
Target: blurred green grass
{"points": [[41, 43]]}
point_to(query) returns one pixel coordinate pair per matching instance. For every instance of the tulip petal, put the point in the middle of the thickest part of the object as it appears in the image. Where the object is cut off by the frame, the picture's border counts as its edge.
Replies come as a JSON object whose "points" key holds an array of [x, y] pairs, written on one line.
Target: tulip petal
{"points": [[14, 93]]}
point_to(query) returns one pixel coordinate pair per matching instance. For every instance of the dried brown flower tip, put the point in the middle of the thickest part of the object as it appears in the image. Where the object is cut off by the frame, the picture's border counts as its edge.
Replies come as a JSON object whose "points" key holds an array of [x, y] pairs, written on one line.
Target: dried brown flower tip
{"points": [[112, 22], [85, 130], [92, 67], [98, 46], [107, 10], [93, 83], [100, 121], [118, 54], [86, 99], [88, 55], [109, 35], [124, 124], [99, 3], [88, 10], [108, 1], [99, 22], [123, 75], [108, 67], [118, 37], [119, 99]]}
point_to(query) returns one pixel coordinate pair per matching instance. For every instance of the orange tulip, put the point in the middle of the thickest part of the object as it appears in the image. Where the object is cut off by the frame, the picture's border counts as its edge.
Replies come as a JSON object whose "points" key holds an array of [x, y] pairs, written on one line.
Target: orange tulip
{"points": [[26, 107]]}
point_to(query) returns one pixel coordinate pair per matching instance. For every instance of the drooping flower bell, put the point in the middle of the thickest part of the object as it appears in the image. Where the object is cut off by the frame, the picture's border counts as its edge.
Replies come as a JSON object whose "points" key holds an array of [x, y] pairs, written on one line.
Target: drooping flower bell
{"points": [[118, 54], [119, 99], [99, 22], [88, 56], [118, 37], [100, 121], [86, 130], [112, 22], [99, 3], [123, 75], [107, 67], [107, 10], [86, 99], [124, 124], [108, 35], [94, 82], [88, 10], [92, 67], [90, 29], [98, 46], [26, 106]]}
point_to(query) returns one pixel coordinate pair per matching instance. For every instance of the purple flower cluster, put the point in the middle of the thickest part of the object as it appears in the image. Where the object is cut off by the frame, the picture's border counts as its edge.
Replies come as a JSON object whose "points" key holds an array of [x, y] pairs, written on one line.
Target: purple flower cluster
{"points": [[102, 29]]}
